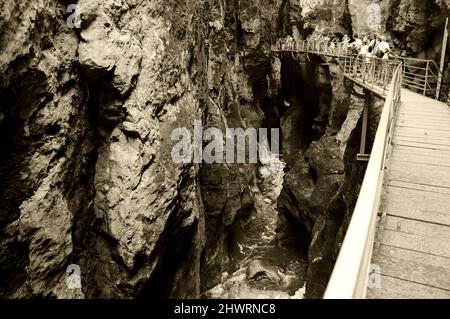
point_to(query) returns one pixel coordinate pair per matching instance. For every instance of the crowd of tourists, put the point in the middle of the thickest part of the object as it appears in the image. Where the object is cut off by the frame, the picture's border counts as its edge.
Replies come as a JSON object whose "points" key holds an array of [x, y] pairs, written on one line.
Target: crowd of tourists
{"points": [[373, 51], [372, 45]]}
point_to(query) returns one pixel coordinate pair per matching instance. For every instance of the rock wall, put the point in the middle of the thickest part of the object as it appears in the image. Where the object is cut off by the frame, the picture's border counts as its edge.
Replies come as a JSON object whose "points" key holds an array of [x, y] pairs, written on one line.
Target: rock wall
{"points": [[323, 176], [416, 29], [146, 81], [239, 64], [47, 150], [88, 114]]}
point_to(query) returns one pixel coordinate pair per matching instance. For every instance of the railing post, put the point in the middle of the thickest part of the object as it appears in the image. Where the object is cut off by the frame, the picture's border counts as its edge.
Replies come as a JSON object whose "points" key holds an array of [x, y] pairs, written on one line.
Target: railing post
{"points": [[404, 68], [362, 156], [345, 64], [363, 69], [426, 78], [441, 65]]}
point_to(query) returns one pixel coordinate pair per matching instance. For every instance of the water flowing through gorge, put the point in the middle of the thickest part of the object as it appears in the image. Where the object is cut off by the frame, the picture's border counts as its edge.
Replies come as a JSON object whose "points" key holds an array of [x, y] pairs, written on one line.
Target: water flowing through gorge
{"points": [[264, 268]]}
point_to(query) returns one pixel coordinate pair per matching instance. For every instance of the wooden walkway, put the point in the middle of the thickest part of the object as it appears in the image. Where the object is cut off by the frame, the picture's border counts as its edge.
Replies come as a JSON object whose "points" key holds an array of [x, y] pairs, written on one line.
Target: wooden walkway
{"points": [[411, 248], [412, 244]]}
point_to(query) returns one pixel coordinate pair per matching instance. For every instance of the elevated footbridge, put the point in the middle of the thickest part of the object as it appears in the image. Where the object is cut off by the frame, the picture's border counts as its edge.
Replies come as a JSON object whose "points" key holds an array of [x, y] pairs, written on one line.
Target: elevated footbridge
{"points": [[398, 241]]}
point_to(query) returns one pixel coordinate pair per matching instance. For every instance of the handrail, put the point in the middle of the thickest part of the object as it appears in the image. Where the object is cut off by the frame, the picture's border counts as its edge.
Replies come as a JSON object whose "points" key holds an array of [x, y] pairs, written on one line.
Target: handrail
{"points": [[350, 275]]}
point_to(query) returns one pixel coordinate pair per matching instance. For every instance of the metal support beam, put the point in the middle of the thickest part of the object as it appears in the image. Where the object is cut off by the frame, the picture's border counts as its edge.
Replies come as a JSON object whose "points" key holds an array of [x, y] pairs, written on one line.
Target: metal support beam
{"points": [[441, 68], [362, 156]]}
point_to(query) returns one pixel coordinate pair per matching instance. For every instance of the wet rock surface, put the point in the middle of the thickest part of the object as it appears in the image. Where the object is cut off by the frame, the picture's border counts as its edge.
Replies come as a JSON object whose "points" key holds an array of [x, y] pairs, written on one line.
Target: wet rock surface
{"points": [[264, 269]]}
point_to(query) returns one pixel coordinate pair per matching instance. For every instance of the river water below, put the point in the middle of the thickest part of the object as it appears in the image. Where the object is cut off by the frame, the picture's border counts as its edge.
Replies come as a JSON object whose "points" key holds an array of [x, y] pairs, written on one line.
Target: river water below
{"points": [[265, 270]]}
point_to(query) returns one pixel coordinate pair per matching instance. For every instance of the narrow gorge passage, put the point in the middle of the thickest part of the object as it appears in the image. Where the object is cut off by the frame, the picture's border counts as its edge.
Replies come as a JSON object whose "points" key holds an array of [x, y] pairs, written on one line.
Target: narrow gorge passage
{"points": [[264, 268], [268, 244]]}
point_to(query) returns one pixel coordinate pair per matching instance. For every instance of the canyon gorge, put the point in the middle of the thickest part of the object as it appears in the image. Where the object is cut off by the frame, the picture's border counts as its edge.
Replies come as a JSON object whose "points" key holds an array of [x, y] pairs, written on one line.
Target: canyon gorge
{"points": [[86, 116]]}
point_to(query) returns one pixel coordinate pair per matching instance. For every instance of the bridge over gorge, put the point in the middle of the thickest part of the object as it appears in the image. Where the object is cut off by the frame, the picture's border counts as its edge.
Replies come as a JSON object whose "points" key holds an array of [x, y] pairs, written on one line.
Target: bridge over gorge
{"points": [[400, 228]]}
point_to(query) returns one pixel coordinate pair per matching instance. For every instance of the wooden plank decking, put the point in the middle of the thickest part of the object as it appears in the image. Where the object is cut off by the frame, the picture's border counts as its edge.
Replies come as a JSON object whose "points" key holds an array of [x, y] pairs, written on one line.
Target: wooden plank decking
{"points": [[412, 246]]}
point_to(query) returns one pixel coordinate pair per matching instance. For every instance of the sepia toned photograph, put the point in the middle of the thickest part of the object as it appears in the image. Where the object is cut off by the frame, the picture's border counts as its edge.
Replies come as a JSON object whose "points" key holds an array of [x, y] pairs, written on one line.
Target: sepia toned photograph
{"points": [[224, 154]]}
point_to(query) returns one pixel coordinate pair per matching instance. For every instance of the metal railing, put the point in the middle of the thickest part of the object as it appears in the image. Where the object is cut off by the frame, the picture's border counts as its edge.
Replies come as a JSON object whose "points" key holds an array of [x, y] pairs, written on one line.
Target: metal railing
{"points": [[419, 75], [317, 47], [351, 271], [374, 73]]}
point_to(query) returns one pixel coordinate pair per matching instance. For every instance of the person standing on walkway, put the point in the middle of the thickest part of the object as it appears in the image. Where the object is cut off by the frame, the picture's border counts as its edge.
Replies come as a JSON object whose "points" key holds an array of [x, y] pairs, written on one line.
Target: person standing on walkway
{"points": [[377, 56], [345, 44], [332, 48], [354, 49], [320, 43], [362, 58], [290, 43], [385, 49], [356, 45], [371, 58]]}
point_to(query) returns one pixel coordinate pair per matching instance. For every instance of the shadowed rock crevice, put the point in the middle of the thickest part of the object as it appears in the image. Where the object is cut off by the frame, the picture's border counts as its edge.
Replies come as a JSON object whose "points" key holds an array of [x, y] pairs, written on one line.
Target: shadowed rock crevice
{"points": [[45, 151], [320, 137], [300, 127]]}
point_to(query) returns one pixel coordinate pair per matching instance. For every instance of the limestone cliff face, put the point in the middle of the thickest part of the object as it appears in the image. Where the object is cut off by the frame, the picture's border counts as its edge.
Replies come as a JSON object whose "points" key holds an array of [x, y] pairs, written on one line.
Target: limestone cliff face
{"points": [[145, 77], [46, 150], [86, 148], [416, 29], [86, 117], [88, 114]]}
